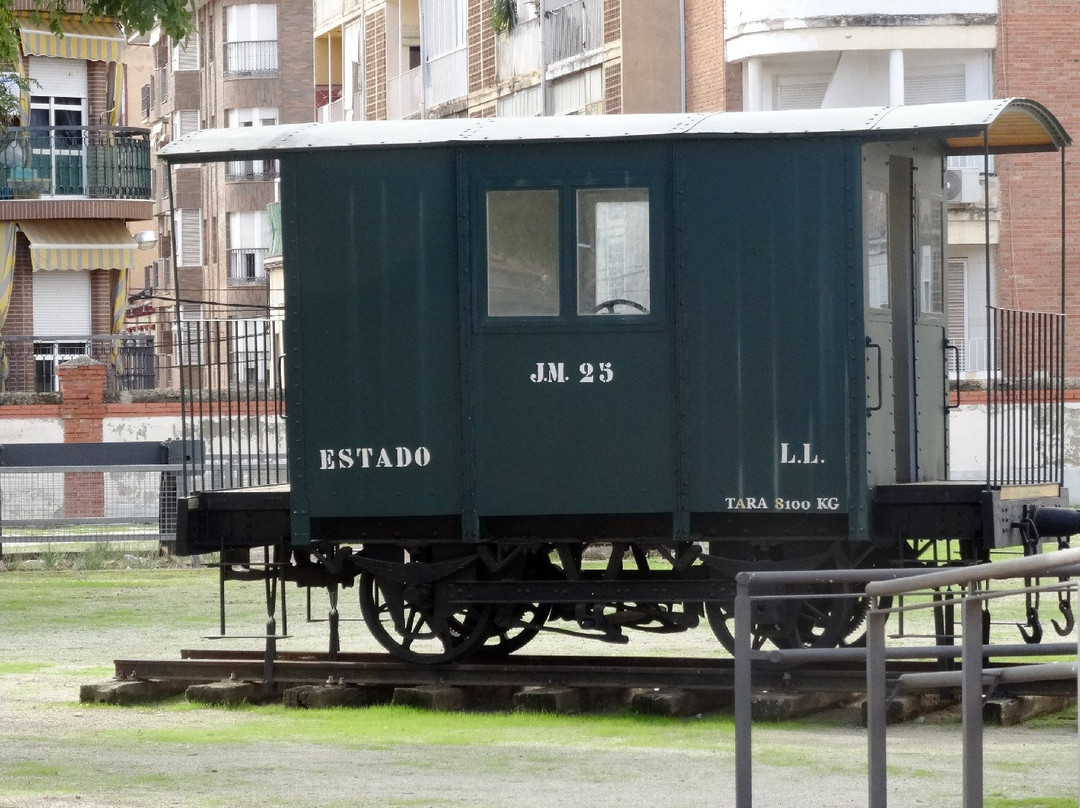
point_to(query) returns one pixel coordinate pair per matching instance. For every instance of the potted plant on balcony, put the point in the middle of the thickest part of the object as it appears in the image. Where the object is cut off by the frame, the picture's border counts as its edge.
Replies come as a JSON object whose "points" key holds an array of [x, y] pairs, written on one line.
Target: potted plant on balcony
{"points": [[503, 15]]}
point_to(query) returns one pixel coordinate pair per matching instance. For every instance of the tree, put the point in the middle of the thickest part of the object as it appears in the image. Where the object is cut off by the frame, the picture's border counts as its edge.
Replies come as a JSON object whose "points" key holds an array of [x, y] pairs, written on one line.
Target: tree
{"points": [[139, 16]]}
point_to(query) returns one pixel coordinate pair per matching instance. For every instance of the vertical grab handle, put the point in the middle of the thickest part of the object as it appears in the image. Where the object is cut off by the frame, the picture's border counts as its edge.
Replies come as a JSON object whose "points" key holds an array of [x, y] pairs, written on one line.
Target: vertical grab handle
{"points": [[880, 392], [279, 393], [956, 364]]}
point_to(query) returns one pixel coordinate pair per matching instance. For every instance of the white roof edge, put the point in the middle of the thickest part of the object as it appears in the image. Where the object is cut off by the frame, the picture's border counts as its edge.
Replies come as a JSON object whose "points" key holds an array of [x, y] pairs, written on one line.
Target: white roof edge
{"points": [[936, 120]]}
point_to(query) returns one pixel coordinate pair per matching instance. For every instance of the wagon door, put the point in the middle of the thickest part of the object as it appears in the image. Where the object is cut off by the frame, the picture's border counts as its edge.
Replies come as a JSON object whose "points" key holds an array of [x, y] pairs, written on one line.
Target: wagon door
{"points": [[566, 380], [905, 325]]}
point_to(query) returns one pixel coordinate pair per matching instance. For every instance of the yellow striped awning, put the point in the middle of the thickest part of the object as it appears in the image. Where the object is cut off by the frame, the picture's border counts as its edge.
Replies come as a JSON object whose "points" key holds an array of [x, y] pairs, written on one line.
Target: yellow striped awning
{"points": [[96, 41], [79, 244]]}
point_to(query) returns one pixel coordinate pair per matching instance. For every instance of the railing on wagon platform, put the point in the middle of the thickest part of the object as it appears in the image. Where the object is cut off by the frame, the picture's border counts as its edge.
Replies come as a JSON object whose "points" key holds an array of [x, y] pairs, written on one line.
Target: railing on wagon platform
{"points": [[232, 396], [1026, 398]]}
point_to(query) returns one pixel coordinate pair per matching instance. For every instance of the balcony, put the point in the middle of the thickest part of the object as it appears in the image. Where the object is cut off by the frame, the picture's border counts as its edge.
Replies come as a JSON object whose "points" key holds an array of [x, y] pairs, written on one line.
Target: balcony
{"points": [[32, 361], [251, 59], [573, 30], [86, 161], [517, 53], [251, 170], [403, 95], [246, 266]]}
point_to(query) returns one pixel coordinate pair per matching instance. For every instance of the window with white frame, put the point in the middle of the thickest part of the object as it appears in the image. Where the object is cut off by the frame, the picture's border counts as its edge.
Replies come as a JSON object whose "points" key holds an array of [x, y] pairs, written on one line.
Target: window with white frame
{"points": [[187, 228], [185, 55], [251, 169], [250, 340], [192, 347], [184, 122], [251, 40], [249, 244]]}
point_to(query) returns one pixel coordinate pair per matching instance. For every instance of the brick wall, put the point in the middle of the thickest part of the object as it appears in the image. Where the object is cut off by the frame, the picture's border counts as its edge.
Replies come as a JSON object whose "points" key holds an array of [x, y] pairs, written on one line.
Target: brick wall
{"points": [[1036, 57], [481, 38], [375, 65], [706, 84], [82, 411]]}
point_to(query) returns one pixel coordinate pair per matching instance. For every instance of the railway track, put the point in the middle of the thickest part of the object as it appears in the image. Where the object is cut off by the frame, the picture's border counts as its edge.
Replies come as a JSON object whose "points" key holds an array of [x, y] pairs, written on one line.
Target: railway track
{"points": [[289, 669]]}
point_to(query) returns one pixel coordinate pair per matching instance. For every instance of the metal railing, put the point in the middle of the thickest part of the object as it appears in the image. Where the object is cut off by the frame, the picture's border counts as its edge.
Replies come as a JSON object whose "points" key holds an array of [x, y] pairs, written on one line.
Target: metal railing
{"points": [[403, 95], [233, 401], [251, 170], [448, 76], [99, 162], [246, 265], [573, 29], [517, 53], [31, 362], [1026, 398], [250, 59], [833, 585]]}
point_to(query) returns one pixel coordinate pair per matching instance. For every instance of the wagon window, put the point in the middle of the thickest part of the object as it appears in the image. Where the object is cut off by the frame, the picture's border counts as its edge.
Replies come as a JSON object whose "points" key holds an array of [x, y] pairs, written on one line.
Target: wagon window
{"points": [[613, 251], [523, 253], [929, 257], [876, 213]]}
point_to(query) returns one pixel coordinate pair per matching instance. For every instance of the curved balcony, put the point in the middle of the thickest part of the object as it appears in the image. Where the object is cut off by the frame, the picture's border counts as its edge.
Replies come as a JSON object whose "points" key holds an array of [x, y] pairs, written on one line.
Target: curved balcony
{"points": [[92, 162]]}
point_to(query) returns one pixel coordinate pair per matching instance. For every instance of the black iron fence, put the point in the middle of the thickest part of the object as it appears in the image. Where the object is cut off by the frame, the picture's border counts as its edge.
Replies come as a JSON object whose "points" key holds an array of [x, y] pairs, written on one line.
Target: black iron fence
{"points": [[1026, 397], [99, 162], [233, 401], [29, 363]]}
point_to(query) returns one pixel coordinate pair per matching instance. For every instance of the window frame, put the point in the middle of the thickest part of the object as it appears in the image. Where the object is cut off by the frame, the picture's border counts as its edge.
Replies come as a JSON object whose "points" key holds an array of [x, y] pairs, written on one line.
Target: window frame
{"points": [[568, 318]]}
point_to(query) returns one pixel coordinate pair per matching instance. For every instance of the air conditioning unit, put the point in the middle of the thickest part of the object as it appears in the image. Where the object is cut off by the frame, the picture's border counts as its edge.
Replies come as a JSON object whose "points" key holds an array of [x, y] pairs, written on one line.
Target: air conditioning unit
{"points": [[963, 185]]}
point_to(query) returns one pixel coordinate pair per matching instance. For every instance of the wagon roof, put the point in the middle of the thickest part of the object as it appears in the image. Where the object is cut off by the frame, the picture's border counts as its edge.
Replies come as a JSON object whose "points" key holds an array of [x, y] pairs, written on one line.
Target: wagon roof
{"points": [[1009, 125]]}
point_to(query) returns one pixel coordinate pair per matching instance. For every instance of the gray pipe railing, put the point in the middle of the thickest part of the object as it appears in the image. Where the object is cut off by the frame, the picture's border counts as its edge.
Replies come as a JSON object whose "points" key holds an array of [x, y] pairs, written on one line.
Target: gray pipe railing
{"points": [[1062, 563]]}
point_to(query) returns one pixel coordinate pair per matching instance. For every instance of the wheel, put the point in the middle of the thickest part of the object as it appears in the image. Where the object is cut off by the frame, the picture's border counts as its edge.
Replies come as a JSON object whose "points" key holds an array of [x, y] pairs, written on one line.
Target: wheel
{"points": [[618, 301], [415, 624], [512, 627]]}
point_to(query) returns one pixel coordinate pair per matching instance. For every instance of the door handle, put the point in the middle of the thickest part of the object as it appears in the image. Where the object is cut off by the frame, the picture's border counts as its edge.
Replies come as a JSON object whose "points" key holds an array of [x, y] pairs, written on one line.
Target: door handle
{"points": [[880, 389]]}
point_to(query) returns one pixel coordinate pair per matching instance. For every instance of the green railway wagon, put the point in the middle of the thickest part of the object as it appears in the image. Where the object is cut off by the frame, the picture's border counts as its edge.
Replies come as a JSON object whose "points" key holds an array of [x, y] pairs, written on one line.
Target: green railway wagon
{"points": [[587, 369]]}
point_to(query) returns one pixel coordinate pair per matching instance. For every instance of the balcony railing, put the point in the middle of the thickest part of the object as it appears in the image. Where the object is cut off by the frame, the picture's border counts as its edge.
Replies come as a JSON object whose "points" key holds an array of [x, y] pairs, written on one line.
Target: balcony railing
{"points": [[403, 95], [251, 170], [97, 162], [244, 59], [518, 52], [573, 29], [246, 265], [32, 361], [448, 77]]}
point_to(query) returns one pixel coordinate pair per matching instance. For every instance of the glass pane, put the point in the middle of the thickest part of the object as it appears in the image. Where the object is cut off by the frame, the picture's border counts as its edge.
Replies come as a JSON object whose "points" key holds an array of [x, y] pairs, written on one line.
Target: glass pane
{"points": [[931, 264], [613, 251], [523, 253], [876, 212]]}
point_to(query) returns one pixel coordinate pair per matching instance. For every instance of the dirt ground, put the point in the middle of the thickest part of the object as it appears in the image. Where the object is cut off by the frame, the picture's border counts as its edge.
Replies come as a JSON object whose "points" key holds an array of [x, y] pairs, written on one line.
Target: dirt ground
{"points": [[120, 758]]}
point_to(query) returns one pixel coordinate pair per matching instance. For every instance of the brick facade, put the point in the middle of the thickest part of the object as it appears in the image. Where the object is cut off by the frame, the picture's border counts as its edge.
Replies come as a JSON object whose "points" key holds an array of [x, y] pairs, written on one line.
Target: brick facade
{"points": [[706, 76], [481, 43], [1036, 58], [375, 65]]}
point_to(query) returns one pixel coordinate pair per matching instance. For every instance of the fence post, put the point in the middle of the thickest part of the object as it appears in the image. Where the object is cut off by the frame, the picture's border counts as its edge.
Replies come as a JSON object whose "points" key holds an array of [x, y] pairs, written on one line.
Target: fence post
{"points": [[971, 697], [82, 388]]}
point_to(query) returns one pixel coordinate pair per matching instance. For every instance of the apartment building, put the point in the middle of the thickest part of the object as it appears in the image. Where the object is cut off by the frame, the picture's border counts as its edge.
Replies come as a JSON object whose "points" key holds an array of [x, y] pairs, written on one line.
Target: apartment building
{"points": [[246, 64], [397, 59], [837, 53], [73, 177]]}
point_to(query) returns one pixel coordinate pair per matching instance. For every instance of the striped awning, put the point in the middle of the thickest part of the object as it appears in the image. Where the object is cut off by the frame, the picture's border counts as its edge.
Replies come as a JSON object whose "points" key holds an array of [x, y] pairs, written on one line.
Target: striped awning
{"points": [[79, 244], [95, 41]]}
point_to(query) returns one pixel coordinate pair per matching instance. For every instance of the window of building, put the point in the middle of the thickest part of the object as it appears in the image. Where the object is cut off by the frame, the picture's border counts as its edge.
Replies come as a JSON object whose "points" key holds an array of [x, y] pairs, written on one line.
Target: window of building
{"points": [[251, 169], [187, 226], [800, 91], [249, 244], [251, 40], [184, 122], [185, 55]]}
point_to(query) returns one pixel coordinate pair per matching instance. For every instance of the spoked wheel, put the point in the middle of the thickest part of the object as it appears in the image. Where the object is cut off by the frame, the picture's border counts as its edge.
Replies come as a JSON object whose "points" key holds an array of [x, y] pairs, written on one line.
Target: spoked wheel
{"points": [[417, 625], [512, 627], [810, 623]]}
